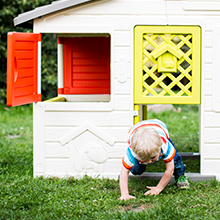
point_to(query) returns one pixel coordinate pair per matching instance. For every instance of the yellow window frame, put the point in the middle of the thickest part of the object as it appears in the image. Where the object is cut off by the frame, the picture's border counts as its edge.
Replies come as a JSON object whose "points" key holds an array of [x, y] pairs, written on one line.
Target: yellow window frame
{"points": [[158, 90]]}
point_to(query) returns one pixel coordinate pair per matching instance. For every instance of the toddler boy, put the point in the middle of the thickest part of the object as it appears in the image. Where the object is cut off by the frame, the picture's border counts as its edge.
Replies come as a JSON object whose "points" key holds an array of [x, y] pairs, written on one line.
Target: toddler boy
{"points": [[149, 142]]}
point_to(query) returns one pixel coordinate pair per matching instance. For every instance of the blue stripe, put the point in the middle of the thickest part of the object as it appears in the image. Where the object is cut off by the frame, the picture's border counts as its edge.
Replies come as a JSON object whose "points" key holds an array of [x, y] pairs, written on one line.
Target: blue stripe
{"points": [[170, 147], [131, 158]]}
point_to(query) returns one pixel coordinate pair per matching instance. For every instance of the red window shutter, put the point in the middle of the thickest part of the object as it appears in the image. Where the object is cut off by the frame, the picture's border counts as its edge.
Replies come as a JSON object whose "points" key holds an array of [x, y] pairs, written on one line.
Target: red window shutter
{"points": [[86, 65], [22, 68]]}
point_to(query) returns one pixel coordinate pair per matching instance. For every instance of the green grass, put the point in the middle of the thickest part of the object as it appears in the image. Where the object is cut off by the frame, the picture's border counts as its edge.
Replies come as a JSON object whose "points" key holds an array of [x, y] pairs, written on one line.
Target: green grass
{"points": [[16, 139], [183, 126], [25, 197]]}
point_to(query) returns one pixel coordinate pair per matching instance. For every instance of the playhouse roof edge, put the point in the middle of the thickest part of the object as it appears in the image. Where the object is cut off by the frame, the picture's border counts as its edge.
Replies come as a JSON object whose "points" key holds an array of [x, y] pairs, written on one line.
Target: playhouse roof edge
{"points": [[47, 9]]}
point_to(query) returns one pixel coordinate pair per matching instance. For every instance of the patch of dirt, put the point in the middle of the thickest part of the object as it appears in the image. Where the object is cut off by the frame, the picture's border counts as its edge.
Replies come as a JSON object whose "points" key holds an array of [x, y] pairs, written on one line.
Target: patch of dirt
{"points": [[13, 136], [136, 209]]}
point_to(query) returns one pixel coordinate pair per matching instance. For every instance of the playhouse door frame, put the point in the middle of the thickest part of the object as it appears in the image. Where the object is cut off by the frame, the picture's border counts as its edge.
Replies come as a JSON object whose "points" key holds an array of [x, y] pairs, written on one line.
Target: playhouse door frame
{"points": [[140, 108]]}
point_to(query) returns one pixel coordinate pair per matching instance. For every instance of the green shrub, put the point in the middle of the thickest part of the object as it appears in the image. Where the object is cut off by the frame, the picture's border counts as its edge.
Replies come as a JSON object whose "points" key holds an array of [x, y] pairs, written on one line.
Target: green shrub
{"points": [[9, 9]]}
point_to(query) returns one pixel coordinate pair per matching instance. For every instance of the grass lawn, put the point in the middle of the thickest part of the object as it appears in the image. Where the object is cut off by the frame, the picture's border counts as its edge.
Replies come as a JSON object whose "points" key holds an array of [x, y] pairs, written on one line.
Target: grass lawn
{"points": [[183, 126], [25, 197]]}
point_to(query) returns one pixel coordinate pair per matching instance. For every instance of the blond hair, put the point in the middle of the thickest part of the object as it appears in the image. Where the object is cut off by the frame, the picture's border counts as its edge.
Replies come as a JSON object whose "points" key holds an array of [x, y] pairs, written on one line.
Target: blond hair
{"points": [[146, 143]]}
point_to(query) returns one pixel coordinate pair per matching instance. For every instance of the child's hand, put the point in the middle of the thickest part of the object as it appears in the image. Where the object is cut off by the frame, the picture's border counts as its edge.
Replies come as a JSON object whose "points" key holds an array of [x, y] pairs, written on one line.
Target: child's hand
{"points": [[126, 197], [152, 191]]}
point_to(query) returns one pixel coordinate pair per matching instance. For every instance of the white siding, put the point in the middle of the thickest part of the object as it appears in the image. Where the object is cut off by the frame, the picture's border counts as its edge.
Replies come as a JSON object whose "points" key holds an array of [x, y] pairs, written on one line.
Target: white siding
{"points": [[121, 7], [39, 140], [52, 121]]}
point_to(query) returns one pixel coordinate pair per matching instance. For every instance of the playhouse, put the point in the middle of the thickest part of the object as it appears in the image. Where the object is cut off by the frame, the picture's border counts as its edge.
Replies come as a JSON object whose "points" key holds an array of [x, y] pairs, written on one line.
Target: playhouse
{"points": [[114, 57]]}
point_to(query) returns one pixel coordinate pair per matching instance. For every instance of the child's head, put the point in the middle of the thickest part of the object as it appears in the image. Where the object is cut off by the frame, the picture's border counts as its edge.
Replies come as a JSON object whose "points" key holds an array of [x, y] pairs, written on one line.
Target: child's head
{"points": [[146, 143]]}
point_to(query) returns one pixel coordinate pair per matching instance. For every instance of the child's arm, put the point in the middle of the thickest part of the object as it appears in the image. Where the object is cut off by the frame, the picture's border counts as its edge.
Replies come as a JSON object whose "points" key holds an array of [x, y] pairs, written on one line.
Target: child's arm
{"points": [[164, 180], [124, 185]]}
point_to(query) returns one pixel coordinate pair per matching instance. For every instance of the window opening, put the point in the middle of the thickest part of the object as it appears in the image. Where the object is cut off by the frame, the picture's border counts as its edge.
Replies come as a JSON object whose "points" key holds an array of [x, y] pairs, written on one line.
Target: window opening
{"points": [[86, 67]]}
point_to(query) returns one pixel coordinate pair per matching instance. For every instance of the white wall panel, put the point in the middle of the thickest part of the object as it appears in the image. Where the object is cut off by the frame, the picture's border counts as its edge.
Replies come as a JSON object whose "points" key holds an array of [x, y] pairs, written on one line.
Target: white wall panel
{"points": [[122, 102], [80, 106], [54, 134], [61, 168], [208, 69], [119, 22], [123, 88], [38, 138], [124, 52], [216, 69], [56, 150], [122, 7], [208, 39], [113, 166], [117, 151], [211, 167], [208, 103], [123, 38], [211, 22], [211, 119], [97, 118], [212, 135], [212, 151], [57, 167], [207, 87], [208, 55], [175, 8], [202, 7]]}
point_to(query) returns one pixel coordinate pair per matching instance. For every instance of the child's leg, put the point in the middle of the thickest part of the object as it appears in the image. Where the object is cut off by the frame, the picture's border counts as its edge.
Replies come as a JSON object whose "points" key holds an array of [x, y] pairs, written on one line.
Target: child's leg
{"points": [[179, 168], [179, 171], [138, 169]]}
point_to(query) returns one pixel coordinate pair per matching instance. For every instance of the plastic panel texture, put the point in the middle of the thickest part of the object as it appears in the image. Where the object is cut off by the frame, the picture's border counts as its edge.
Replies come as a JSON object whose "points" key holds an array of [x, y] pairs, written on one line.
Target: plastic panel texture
{"points": [[22, 68], [87, 65], [167, 64]]}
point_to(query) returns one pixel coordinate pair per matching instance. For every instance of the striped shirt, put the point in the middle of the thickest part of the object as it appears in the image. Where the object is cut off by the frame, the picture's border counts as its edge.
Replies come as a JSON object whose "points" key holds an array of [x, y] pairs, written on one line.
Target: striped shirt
{"points": [[168, 151]]}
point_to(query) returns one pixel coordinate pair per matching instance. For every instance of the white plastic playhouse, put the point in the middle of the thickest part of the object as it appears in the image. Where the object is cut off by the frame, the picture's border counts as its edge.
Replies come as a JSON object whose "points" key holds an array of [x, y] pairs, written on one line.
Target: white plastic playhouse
{"points": [[114, 57]]}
